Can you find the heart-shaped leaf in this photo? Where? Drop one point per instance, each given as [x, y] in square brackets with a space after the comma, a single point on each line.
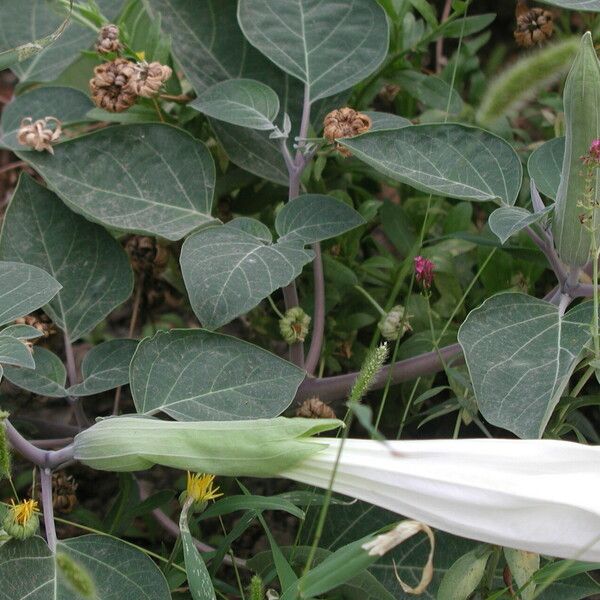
[146, 178]
[68, 105]
[91, 265]
[47, 379]
[329, 46]
[545, 165]
[520, 353]
[243, 102]
[381, 120]
[315, 217]
[228, 271]
[15, 352]
[450, 160]
[508, 220]
[197, 375]
[90, 566]
[24, 289]
[105, 367]
[22, 332]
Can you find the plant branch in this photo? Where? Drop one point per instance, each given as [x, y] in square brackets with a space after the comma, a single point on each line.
[550, 253]
[48, 508]
[75, 403]
[318, 328]
[329, 389]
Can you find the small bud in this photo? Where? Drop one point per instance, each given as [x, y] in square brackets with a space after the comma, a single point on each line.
[344, 123]
[110, 85]
[21, 522]
[424, 269]
[534, 26]
[294, 325]
[108, 40]
[76, 576]
[314, 408]
[149, 78]
[38, 134]
[395, 324]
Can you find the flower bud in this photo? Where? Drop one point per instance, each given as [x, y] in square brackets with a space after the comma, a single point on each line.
[294, 325]
[395, 324]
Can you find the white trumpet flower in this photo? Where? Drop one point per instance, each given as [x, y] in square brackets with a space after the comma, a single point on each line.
[537, 495]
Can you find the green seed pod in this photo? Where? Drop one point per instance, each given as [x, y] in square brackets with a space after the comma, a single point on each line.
[76, 576]
[20, 531]
[582, 120]
[395, 324]
[294, 325]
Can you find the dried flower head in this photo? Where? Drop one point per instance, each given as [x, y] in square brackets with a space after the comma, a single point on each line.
[149, 78]
[21, 521]
[344, 123]
[108, 40]
[40, 321]
[146, 255]
[424, 270]
[64, 492]
[314, 408]
[534, 26]
[395, 323]
[110, 85]
[39, 134]
[294, 325]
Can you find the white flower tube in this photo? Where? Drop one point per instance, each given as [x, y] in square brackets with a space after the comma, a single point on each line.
[537, 495]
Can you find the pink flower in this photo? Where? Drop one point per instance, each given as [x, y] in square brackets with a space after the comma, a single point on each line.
[594, 150]
[424, 271]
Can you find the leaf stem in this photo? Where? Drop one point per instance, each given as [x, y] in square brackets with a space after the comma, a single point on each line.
[318, 325]
[46, 483]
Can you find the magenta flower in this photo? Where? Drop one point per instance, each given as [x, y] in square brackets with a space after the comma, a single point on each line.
[424, 271]
[594, 150]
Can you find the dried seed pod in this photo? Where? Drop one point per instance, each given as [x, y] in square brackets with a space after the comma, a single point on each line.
[146, 255]
[41, 322]
[149, 78]
[534, 26]
[343, 123]
[39, 134]
[110, 85]
[108, 40]
[64, 492]
[313, 408]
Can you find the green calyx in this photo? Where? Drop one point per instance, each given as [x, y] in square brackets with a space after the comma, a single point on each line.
[20, 531]
[394, 324]
[255, 448]
[294, 325]
[572, 237]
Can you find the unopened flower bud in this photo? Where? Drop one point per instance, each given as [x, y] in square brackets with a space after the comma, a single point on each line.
[39, 134]
[424, 269]
[21, 521]
[395, 324]
[108, 40]
[294, 325]
[344, 123]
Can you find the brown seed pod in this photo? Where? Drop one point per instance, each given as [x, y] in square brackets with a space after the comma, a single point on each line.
[313, 408]
[149, 78]
[39, 135]
[40, 321]
[108, 40]
[64, 492]
[110, 85]
[146, 255]
[344, 123]
[534, 26]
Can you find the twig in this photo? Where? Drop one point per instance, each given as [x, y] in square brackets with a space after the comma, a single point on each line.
[439, 45]
[318, 328]
[13, 165]
[181, 98]
[48, 508]
[75, 403]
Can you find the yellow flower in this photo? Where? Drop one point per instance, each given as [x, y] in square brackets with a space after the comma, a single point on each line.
[23, 511]
[200, 487]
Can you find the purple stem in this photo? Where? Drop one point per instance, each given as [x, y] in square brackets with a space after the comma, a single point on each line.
[46, 481]
[80, 415]
[329, 389]
[318, 325]
[551, 255]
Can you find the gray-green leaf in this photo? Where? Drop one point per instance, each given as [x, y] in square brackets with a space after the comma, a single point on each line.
[508, 220]
[381, 120]
[68, 105]
[228, 271]
[47, 379]
[144, 178]
[197, 375]
[432, 91]
[111, 568]
[243, 102]
[15, 352]
[520, 353]
[330, 46]
[451, 160]
[104, 367]
[315, 217]
[545, 164]
[591, 5]
[464, 576]
[25, 288]
[90, 263]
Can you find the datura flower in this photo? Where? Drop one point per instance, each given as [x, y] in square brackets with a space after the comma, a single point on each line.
[534, 495]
